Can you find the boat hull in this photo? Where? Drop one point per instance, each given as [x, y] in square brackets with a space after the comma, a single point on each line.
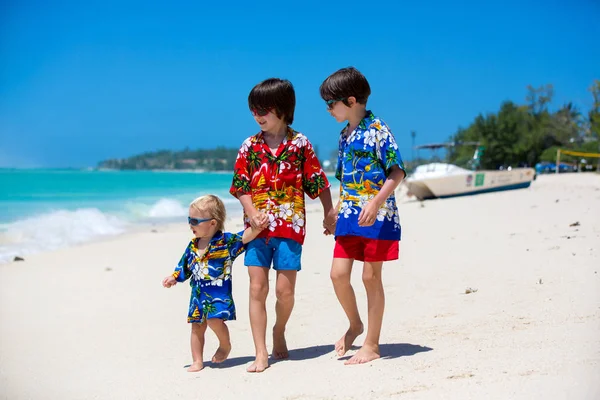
[473, 183]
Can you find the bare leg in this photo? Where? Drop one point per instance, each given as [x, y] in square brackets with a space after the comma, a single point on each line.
[341, 269]
[220, 329]
[259, 289]
[197, 344]
[376, 305]
[285, 290]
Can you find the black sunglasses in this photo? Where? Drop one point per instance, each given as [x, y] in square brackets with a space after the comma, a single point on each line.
[196, 221]
[331, 103]
[261, 112]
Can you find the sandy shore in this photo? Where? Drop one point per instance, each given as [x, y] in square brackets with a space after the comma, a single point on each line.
[93, 322]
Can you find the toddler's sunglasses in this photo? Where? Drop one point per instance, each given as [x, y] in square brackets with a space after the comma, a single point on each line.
[331, 103]
[261, 112]
[196, 221]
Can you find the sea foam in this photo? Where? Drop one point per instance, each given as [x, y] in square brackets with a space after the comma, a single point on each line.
[56, 229]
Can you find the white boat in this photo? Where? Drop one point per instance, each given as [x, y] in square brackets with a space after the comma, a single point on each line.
[461, 182]
[441, 180]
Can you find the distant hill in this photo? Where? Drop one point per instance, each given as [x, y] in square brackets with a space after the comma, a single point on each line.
[219, 159]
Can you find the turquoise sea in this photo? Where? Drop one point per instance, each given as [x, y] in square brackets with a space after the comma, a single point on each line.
[44, 209]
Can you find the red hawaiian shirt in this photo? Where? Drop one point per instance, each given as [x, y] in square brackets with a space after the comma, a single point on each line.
[277, 183]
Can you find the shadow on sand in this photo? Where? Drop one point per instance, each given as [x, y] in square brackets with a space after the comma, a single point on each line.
[395, 350]
[295, 354]
[388, 351]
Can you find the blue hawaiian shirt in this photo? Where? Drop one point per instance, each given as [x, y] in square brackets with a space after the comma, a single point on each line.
[210, 276]
[365, 158]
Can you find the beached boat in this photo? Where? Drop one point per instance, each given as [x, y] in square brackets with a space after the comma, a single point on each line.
[441, 180]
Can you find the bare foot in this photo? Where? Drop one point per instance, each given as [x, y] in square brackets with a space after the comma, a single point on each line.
[345, 343]
[259, 365]
[280, 350]
[222, 353]
[196, 366]
[364, 355]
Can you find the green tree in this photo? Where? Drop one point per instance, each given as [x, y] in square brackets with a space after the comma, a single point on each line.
[594, 114]
[521, 134]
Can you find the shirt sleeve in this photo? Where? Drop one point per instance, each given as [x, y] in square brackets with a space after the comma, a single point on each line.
[182, 271]
[235, 244]
[241, 176]
[314, 179]
[388, 150]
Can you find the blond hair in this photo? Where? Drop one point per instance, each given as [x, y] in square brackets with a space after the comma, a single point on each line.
[213, 206]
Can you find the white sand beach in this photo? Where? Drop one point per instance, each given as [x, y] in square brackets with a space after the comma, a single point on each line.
[94, 322]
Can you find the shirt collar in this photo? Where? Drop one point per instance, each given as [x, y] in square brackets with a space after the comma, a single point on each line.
[363, 124]
[260, 136]
[218, 236]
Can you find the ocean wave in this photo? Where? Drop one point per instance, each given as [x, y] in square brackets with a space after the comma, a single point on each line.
[163, 208]
[168, 208]
[55, 230]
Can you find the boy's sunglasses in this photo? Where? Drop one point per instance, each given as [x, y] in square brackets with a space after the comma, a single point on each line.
[331, 103]
[196, 221]
[261, 112]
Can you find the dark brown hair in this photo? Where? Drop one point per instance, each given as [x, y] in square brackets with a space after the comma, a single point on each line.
[274, 93]
[345, 83]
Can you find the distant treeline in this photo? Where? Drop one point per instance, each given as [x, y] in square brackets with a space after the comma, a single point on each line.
[219, 159]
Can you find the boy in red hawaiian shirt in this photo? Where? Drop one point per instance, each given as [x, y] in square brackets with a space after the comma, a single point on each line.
[273, 171]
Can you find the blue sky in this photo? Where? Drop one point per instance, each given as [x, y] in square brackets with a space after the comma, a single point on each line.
[82, 82]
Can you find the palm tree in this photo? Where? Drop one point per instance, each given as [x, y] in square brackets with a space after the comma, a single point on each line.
[567, 125]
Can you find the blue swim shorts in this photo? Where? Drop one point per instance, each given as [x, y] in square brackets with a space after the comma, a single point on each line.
[283, 253]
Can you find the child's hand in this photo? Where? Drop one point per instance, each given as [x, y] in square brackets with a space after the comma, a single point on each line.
[262, 227]
[332, 216]
[265, 222]
[368, 214]
[259, 221]
[329, 227]
[329, 222]
[169, 281]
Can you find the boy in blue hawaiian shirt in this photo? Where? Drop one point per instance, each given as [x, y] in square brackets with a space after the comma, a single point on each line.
[366, 221]
[207, 262]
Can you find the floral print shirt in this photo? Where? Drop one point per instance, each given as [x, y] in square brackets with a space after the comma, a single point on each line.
[365, 158]
[213, 268]
[277, 182]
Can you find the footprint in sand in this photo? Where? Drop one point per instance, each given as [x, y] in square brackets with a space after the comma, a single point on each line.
[461, 376]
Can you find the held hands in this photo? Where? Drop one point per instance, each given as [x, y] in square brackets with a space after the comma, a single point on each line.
[329, 222]
[368, 214]
[259, 220]
[265, 223]
[169, 281]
